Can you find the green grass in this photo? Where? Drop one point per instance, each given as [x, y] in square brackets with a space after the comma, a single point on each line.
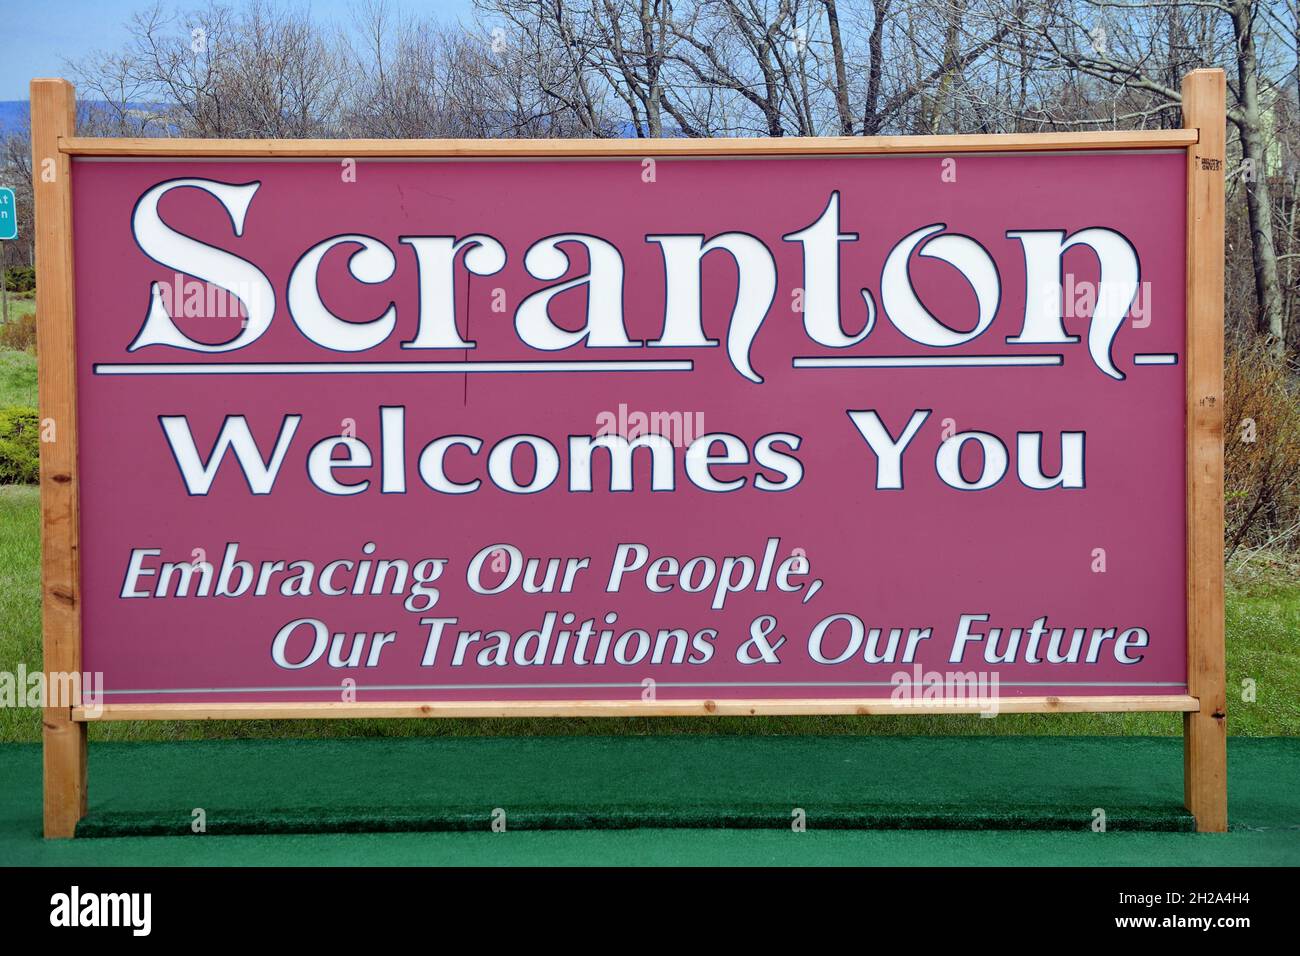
[20, 598]
[1263, 626]
[21, 304]
[17, 378]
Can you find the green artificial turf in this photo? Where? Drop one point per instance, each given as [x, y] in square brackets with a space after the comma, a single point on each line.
[691, 800]
[625, 782]
[660, 847]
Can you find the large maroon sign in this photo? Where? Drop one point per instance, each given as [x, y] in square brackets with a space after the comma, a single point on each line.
[613, 429]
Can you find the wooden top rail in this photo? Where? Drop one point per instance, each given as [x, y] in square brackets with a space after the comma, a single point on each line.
[163, 148]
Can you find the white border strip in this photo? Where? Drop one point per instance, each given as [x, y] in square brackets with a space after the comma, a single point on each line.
[338, 688]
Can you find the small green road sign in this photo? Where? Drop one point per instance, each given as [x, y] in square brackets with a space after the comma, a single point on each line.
[8, 214]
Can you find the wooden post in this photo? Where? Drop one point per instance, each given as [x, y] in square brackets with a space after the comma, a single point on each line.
[54, 113]
[1205, 740]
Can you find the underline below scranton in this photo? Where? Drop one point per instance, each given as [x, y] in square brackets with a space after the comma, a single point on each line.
[650, 365]
[387, 368]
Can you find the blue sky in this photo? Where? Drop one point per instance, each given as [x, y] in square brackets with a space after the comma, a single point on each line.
[36, 36]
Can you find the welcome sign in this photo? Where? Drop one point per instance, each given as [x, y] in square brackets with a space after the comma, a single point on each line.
[725, 427]
[452, 429]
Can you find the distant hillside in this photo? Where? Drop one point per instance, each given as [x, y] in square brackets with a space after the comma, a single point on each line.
[13, 115]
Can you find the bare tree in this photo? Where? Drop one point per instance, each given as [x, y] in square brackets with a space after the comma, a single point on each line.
[1158, 41]
[261, 71]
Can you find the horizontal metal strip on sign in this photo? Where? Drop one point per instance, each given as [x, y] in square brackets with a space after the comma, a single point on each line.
[603, 685]
[737, 146]
[631, 708]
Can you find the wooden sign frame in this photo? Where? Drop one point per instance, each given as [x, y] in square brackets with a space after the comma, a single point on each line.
[54, 144]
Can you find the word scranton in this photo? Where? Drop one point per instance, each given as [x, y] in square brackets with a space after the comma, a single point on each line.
[549, 260]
